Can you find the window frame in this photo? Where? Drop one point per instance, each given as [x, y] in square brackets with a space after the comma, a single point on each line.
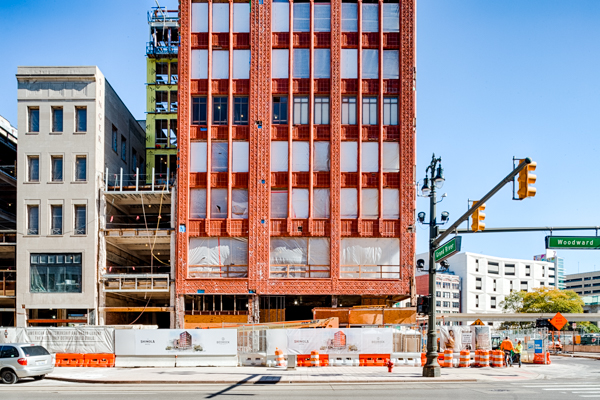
[28, 221]
[124, 149]
[347, 107]
[78, 119]
[280, 108]
[115, 139]
[30, 158]
[76, 175]
[54, 159]
[54, 229]
[222, 113]
[323, 105]
[31, 111]
[76, 219]
[389, 103]
[300, 110]
[368, 103]
[57, 119]
[240, 107]
[199, 102]
[64, 269]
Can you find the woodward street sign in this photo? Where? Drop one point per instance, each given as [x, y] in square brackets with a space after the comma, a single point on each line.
[573, 242]
[448, 249]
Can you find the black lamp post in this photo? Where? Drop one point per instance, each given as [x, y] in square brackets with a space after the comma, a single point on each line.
[431, 183]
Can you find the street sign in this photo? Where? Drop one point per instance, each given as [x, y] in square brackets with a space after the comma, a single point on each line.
[448, 249]
[478, 322]
[573, 242]
[558, 321]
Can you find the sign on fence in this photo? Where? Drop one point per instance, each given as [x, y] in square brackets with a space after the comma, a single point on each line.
[340, 341]
[198, 342]
[64, 340]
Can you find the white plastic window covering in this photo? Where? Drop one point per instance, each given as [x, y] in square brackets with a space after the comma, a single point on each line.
[218, 257]
[241, 62]
[241, 17]
[382, 254]
[349, 157]
[369, 112]
[348, 110]
[321, 203]
[391, 17]
[279, 203]
[199, 17]
[198, 157]
[322, 63]
[370, 203]
[370, 64]
[291, 257]
[370, 157]
[239, 203]
[218, 157]
[279, 156]
[391, 157]
[322, 15]
[199, 63]
[198, 203]
[301, 17]
[321, 156]
[239, 156]
[300, 203]
[349, 17]
[301, 61]
[391, 203]
[349, 203]
[390, 111]
[321, 111]
[390, 64]
[300, 156]
[370, 17]
[220, 17]
[300, 110]
[280, 21]
[280, 62]
[220, 63]
[349, 63]
[218, 203]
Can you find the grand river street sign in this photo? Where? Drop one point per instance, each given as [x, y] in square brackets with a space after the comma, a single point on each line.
[448, 249]
[573, 242]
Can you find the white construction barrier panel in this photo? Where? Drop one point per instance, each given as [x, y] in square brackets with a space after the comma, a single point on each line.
[340, 341]
[197, 342]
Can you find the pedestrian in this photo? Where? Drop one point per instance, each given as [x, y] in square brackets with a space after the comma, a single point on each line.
[508, 348]
[518, 351]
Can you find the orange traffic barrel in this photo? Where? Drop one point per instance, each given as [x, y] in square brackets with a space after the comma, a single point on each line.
[314, 358]
[448, 356]
[279, 360]
[484, 358]
[465, 359]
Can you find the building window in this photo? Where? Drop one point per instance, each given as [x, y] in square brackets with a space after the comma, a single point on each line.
[241, 64]
[55, 273]
[438, 294]
[56, 223]
[301, 17]
[438, 303]
[349, 67]
[34, 119]
[476, 265]
[57, 168]
[173, 101]
[524, 286]
[511, 286]
[57, 119]
[280, 21]
[438, 284]
[162, 73]
[446, 304]
[494, 285]
[322, 17]
[279, 63]
[33, 220]
[81, 168]
[369, 113]
[370, 17]
[199, 110]
[455, 304]
[349, 17]
[390, 111]
[322, 110]
[476, 300]
[478, 283]
[528, 270]
[123, 148]
[509, 269]
[446, 295]
[115, 139]
[301, 110]
[240, 110]
[391, 14]
[133, 160]
[348, 110]
[220, 110]
[161, 133]
[322, 63]
[391, 67]
[493, 268]
[162, 101]
[174, 73]
[301, 63]
[456, 295]
[173, 132]
[543, 271]
[80, 119]
[370, 64]
[492, 302]
[80, 220]
[446, 285]
[280, 110]
[33, 168]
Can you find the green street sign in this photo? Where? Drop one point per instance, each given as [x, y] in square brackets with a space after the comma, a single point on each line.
[448, 249]
[573, 242]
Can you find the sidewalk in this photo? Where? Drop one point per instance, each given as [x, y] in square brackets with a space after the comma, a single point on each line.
[266, 375]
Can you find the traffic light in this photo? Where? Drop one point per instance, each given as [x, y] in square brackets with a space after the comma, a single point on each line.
[526, 178]
[423, 305]
[478, 216]
[544, 323]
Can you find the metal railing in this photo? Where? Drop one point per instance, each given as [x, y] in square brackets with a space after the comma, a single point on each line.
[286, 271]
[218, 271]
[136, 283]
[9, 170]
[136, 182]
[8, 283]
[370, 272]
[162, 48]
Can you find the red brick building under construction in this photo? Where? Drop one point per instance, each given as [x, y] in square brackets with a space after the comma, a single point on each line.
[296, 158]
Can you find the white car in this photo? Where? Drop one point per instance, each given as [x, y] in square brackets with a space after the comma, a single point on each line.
[24, 360]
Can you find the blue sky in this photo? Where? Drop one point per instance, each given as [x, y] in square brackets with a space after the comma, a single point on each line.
[495, 79]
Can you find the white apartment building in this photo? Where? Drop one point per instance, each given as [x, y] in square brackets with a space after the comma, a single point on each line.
[72, 127]
[487, 280]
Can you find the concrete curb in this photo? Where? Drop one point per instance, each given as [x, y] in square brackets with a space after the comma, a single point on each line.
[577, 356]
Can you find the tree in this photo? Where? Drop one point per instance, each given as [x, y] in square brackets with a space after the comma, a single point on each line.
[543, 300]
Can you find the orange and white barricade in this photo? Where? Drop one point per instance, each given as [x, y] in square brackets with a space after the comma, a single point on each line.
[448, 356]
[314, 358]
[497, 358]
[279, 360]
[465, 359]
[484, 358]
[476, 358]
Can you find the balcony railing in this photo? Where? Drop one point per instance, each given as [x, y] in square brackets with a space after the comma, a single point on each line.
[370, 272]
[299, 271]
[136, 283]
[120, 182]
[218, 271]
[8, 283]
[162, 49]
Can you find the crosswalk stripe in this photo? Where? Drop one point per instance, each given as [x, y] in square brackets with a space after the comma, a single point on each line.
[574, 388]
